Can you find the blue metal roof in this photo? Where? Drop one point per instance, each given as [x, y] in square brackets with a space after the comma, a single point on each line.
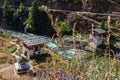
[18, 66]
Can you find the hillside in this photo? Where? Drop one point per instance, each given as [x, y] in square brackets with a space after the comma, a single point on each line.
[81, 5]
[60, 40]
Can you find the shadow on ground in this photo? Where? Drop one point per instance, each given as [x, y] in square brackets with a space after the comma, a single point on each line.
[42, 58]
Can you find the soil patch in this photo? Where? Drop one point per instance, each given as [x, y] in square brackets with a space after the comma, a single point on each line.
[3, 54]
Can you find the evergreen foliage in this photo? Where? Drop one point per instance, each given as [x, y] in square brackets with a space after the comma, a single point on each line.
[17, 21]
[7, 12]
[38, 21]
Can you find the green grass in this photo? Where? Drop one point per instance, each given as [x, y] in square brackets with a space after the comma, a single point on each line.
[98, 68]
[6, 46]
[3, 59]
[7, 59]
[20, 51]
[8, 49]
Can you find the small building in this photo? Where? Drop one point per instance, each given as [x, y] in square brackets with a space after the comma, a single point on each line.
[22, 66]
[33, 46]
[96, 37]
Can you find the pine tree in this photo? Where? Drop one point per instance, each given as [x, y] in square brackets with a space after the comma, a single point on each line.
[38, 21]
[7, 12]
[31, 22]
[18, 20]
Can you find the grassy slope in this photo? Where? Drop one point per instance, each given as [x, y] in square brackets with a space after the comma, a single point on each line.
[6, 49]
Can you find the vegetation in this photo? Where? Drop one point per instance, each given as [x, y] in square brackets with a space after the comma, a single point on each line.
[8, 12]
[8, 59]
[64, 29]
[6, 50]
[99, 64]
[6, 47]
[18, 19]
[38, 21]
[20, 51]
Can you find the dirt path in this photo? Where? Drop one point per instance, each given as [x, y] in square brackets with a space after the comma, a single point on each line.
[2, 54]
[7, 68]
[18, 47]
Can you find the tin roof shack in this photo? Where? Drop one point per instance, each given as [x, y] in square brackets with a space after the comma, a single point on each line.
[96, 37]
[22, 66]
[33, 46]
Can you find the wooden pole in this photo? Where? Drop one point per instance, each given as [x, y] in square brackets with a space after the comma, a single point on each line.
[93, 49]
[74, 42]
[108, 34]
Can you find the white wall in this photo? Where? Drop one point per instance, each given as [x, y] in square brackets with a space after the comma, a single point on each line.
[30, 52]
[97, 40]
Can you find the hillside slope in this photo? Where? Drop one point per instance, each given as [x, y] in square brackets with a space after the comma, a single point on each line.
[82, 5]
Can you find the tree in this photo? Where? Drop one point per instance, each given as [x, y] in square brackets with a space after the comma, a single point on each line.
[45, 26]
[7, 12]
[18, 20]
[21, 8]
[33, 17]
[38, 21]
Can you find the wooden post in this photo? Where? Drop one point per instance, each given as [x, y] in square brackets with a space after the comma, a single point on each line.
[108, 34]
[108, 42]
[93, 49]
[74, 47]
[92, 29]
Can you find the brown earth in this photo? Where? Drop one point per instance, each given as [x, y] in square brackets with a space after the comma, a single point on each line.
[3, 54]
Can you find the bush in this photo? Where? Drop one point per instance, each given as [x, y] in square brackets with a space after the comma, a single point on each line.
[102, 26]
[2, 32]
[7, 59]
[64, 29]
[3, 59]
[8, 48]
[11, 49]
[20, 51]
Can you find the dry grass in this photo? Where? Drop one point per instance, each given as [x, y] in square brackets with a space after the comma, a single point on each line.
[87, 68]
[97, 68]
[103, 68]
[9, 75]
[6, 46]
[2, 54]
[6, 49]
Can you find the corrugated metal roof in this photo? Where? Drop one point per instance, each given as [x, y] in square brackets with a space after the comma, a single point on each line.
[35, 40]
[99, 31]
[28, 38]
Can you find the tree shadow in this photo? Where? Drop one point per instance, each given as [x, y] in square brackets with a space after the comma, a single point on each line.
[42, 58]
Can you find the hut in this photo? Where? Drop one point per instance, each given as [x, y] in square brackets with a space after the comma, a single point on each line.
[33, 46]
[96, 37]
[22, 66]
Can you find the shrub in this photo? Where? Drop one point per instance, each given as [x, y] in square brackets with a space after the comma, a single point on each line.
[64, 29]
[3, 59]
[20, 51]
[8, 48]
[102, 26]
